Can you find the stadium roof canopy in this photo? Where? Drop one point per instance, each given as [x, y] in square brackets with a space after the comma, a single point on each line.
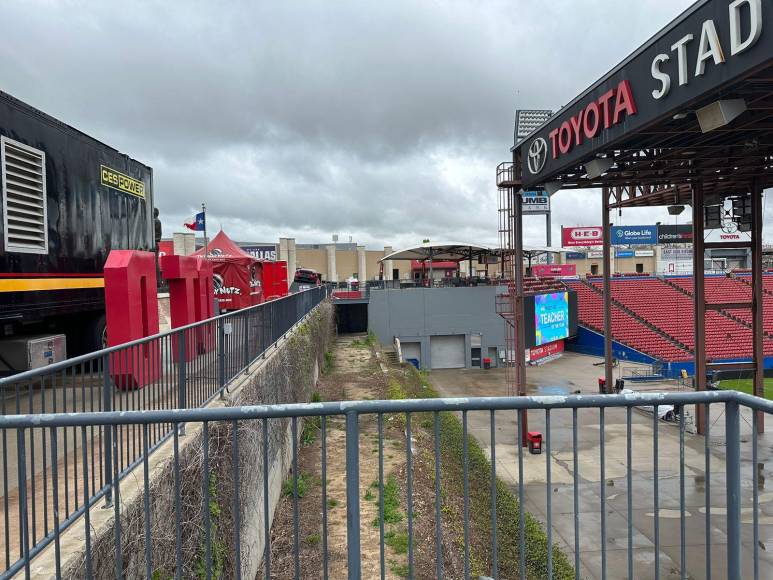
[441, 251]
[693, 105]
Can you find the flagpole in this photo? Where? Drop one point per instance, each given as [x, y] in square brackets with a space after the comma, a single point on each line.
[206, 241]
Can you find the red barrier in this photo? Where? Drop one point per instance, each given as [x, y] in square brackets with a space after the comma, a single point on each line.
[131, 312]
[182, 272]
[205, 304]
[274, 280]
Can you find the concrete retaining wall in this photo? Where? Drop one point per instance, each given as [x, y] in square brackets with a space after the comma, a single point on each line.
[288, 374]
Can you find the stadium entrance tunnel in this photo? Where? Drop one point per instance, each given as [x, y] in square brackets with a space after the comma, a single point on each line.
[351, 318]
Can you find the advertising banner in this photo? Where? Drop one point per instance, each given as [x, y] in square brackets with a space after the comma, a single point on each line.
[634, 235]
[551, 317]
[644, 253]
[681, 234]
[535, 202]
[575, 255]
[726, 235]
[554, 270]
[624, 254]
[582, 236]
[261, 252]
[595, 254]
[165, 248]
[539, 352]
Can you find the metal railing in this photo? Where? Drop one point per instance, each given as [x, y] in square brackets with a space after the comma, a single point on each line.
[725, 536]
[180, 369]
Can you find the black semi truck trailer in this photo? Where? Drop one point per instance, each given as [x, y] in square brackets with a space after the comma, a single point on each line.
[67, 201]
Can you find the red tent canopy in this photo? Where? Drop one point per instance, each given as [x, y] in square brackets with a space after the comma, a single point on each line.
[237, 275]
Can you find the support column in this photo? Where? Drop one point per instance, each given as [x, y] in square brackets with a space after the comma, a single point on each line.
[607, 297]
[757, 300]
[520, 334]
[362, 266]
[332, 274]
[699, 300]
[282, 249]
[548, 234]
[388, 263]
[291, 259]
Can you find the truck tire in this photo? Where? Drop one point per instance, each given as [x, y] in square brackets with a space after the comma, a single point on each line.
[98, 333]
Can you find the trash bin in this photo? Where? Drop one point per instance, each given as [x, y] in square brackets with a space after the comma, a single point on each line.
[534, 439]
[602, 385]
[486, 363]
[413, 361]
[619, 385]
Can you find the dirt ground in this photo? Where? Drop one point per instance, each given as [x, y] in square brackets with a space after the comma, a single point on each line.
[356, 374]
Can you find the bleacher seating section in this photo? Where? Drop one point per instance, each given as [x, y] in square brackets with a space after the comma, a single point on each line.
[667, 305]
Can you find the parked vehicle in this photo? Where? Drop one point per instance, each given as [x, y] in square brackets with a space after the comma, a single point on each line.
[67, 201]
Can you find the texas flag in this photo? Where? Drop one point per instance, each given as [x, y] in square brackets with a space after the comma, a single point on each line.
[196, 223]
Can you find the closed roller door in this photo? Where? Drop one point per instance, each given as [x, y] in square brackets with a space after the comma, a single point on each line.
[447, 352]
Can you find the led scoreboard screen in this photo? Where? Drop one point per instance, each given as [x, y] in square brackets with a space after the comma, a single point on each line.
[550, 317]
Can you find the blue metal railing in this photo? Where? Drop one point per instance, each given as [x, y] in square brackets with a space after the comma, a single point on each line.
[742, 557]
[183, 368]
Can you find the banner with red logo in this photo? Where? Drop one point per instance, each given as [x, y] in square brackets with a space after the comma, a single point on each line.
[165, 248]
[582, 236]
[554, 270]
[539, 352]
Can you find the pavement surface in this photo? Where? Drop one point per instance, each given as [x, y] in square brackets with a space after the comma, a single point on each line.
[571, 373]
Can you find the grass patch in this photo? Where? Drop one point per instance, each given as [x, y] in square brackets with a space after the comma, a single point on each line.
[370, 340]
[399, 569]
[398, 541]
[392, 513]
[331, 503]
[329, 361]
[305, 482]
[747, 386]
[415, 385]
[369, 495]
[312, 540]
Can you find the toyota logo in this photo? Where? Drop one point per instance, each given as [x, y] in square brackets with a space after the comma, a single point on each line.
[729, 226]
[538, 154]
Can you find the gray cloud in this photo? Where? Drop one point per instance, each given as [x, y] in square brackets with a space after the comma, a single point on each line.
[383, 121]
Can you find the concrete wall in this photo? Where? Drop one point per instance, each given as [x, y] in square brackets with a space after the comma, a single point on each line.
[288, 374]
[415, 314]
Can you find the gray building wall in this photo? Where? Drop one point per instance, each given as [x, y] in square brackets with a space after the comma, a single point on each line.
[415, 314]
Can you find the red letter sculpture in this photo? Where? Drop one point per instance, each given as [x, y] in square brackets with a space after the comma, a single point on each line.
[131, 311]
[182, 271]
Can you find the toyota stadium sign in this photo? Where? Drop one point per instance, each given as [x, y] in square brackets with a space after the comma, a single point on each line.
[582, 236]
[711, 45]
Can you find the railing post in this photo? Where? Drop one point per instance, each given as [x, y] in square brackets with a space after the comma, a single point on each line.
[246, 318]
[353, 494]
[107, 438]
[733, 479]
[181, 378]
[221, 355]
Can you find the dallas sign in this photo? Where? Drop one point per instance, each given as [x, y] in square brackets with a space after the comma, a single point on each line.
[711, 45]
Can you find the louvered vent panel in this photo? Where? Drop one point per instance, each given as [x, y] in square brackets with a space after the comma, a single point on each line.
[24, 198]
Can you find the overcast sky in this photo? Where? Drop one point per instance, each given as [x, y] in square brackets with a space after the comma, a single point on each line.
[381, 121]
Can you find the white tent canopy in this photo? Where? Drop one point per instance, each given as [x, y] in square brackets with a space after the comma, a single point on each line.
[441, 251]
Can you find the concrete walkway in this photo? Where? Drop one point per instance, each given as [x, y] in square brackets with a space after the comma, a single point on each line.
[576, 372]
